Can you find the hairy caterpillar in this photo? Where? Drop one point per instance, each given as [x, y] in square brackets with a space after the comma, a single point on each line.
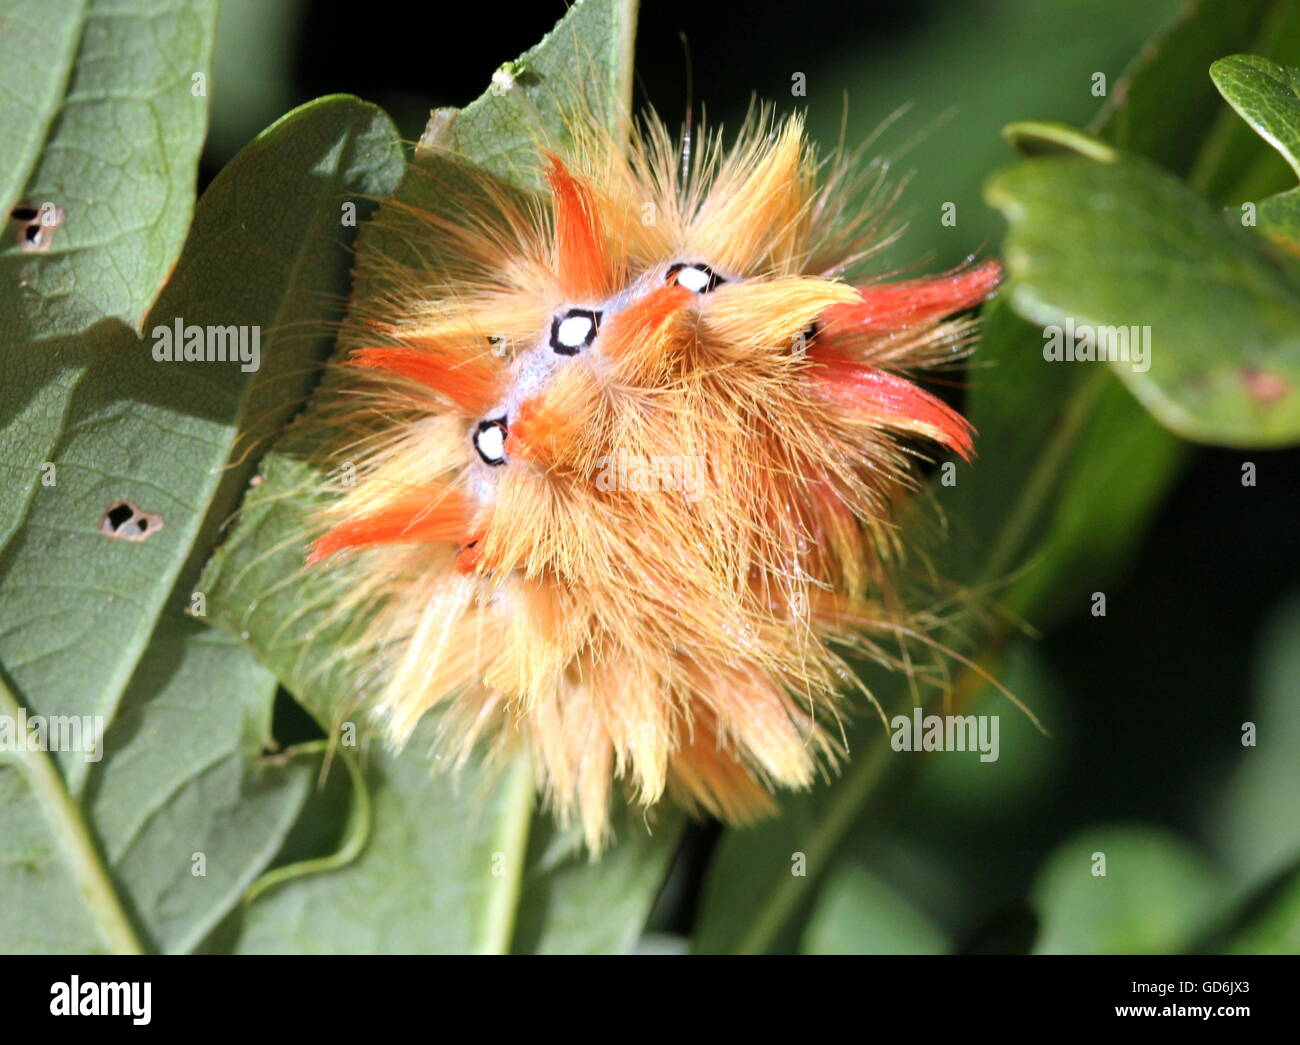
[625, 488]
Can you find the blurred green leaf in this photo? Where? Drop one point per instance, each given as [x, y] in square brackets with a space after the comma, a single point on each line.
[1087, 542]
[1126, 247]
[759, 877]
[1254, 811]
[506, 878]
[1164, 93]
[1156, 894]
[957, 787]
[857, 913]
[253, 70]
[1270, 924]
[1042, 138]
[977, 67]
[573, 905]
[96, 626]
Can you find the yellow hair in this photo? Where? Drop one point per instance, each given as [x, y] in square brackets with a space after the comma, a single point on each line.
[626, 469]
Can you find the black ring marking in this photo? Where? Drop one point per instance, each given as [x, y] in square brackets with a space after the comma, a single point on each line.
[574, 313]
[483, 426]
[711, 283]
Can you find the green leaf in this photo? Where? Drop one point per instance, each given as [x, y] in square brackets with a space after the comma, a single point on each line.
[1163, 107]
[423, 830]
[176, 820]
[1125, 247]
[1267, 96]
[1086, 542]
[1043, 138]
[584, 65]
[1155, 895]
[760, 876]
[507, 879]
[99, 115]
[433, 877]
[186, 806]
[959, 787]
[96, 626]
[573, 905]
[858, 913]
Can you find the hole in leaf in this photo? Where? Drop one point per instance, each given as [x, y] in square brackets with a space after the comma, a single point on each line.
[125, 522]
[37, 225]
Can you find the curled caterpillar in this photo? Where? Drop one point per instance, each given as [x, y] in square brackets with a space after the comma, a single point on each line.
[627, 466]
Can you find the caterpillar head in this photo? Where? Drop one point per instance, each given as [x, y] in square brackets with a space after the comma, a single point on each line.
[625, 482]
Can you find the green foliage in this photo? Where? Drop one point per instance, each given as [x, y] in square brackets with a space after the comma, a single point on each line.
[97, 627]
[1123, 890]
[1267, 96]
[1206, 328]
[193, 833]
[1103, 239]
[507, 879]
[859, 914]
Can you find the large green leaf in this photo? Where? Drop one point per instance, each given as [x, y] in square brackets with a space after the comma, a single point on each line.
[102, 112]
[576, 906]
[186, 804]
[1126, 247]
[95, 626]
[506, 879]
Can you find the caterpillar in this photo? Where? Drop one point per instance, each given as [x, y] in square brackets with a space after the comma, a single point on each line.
[628, 465]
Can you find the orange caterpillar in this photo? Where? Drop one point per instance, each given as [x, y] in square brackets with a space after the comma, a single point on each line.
[625, 477]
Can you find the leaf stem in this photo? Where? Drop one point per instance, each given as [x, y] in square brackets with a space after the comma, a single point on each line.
[858, 785]
[356, 832]
[512, 848]
[63, 815]
[1046, 471]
